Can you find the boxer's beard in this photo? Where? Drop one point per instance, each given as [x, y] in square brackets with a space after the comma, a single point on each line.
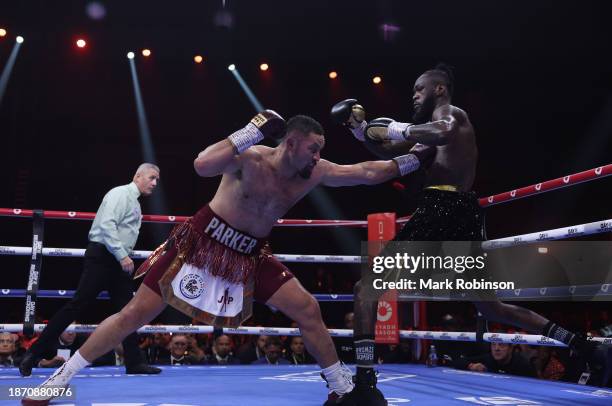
[424, 112]
[305, 172]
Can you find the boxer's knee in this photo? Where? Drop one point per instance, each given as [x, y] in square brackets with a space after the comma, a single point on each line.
[139, 312]
[310, 312]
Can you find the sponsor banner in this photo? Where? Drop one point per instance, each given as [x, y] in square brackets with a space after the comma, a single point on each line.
[387, 321]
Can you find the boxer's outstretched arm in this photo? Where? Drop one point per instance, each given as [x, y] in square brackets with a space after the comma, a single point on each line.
[388, 149]
[363, 173]
[217, 159]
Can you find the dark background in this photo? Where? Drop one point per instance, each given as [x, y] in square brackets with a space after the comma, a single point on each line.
[535, 78]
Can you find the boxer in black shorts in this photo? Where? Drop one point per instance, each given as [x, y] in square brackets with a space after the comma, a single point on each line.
[443, 140]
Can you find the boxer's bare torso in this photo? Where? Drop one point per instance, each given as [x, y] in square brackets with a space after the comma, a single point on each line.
[454, 163]
[259, 186]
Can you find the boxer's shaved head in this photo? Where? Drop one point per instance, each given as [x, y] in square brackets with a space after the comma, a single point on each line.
[305, 140]
[304, 125]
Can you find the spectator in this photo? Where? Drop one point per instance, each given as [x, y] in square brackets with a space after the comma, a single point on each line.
[181, 352]
[323, 282]
[547, 364]
[8, 350]
[222, 352]
[252, 351]
[501, 359]
[273, 353]
[206, 342]
[194, 349]
[298, 354]
[448, 351]
[156, 348]
[395, 354]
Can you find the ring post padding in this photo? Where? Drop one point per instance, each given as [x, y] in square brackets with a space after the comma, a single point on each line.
[38, 228]
[382, 228]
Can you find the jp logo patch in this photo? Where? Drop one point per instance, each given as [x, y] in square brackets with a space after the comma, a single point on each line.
[192, 285]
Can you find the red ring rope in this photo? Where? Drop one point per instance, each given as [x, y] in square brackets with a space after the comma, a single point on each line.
[542, 187]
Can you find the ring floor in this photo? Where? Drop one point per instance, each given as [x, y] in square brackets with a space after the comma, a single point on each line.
[302, 385]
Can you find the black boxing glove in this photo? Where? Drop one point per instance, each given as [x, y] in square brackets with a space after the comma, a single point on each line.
[350, 114]
[386, 129]
[267, 124]
[377, 130]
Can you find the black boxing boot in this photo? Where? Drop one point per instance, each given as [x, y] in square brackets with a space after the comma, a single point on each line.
[366, 393]
[598, 357]
[27, 363]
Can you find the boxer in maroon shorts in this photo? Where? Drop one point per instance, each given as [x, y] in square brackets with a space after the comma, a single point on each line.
[213, 265]
[269, 274]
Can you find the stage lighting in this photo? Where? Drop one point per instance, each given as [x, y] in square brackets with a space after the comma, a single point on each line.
[232, 67]
[333, 75]
[81, 43]
[376, 80]
[19, 39]
[2, 32]
[130, 55]
[264, 67]
[146, 52]
[95, 10]
[198, 59]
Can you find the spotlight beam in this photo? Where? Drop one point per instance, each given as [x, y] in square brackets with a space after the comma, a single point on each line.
[158, 200]
[247, 90]
[143, 126]
[8, 69]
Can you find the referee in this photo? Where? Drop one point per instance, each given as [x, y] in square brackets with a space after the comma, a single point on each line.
[108, 267]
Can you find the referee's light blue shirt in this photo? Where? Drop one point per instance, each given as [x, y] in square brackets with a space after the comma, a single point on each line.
[118, 220]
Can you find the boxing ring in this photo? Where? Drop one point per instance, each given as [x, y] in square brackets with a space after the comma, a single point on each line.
[405, 384]
[272, 385]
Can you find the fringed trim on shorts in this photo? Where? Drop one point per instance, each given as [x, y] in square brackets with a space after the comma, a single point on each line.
[203, 252]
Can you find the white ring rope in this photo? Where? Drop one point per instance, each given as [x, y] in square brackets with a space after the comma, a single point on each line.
[596, 227]
[284, 331]
[80, 252]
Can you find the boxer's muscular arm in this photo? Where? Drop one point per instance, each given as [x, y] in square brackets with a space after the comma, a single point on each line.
[217, 159]
[445, 124]
[363, 173]
[228, 155]
[388, 149]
